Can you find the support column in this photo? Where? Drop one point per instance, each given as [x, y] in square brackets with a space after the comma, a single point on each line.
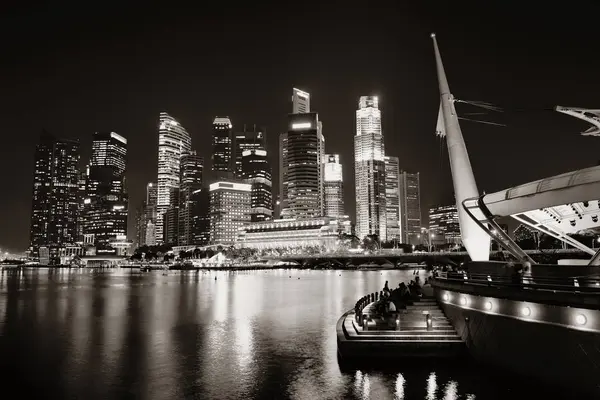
[475, 240]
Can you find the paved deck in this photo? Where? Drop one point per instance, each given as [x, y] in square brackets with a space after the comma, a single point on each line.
[409, 337]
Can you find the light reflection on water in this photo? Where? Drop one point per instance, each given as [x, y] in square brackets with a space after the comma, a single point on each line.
[88, 334]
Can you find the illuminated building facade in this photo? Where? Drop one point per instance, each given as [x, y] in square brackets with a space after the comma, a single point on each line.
[333, 186]
[256, 171]
[250, 138]
[173, 141]
[443, 224]
[369, 170]
[300, 101]
[146, 217]
[392, 197]
[222, 149]
[289, 234]
[192, 167]
[410, 207]
[106, 202]
[55, 203]
[302, 179]
[230, 204]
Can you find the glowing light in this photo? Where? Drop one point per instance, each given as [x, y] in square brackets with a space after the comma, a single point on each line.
[302, 125]
[446, 297]
[463, 301]
[488, 305]
[431, 387]
[526, 311]
[244, 187]
[580, 319]
[400, 382]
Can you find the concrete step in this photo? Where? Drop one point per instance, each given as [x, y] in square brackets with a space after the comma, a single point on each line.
[394, 337]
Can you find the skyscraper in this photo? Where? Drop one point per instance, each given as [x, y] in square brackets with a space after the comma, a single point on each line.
[333, 187]
[300, 102]
[55, 202]
[223, 164]
[173, 141]
[392, 197]
[302, 194]
[369, 170]
[256, 171]
[229, 211]
[146, 218]
[443, 224]
[192, 166]
[410, 207]
[106, 202]
[250, 138]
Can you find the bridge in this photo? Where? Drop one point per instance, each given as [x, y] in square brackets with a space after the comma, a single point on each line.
[390, 257]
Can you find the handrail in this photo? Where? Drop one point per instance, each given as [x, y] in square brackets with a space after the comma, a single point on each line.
[582, 281]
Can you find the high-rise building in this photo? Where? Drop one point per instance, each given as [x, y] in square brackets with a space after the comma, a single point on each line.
[281, 202]
[223, 163]
[147, 217]
[300, 102]
[106, 201]
[333, 187]
[192, 166]
[250, 138]
[443, 224]
[410, 207]
[229, 211]
[173, 141]
[200, 232]
[55, 205]
[392, 197]
[369, 168]
[171, 220]
[256, 171]
[302, 179]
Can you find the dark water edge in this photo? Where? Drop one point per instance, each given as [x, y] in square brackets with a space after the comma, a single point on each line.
[248, 334]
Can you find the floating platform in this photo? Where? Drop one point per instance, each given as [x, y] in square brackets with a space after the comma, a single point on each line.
[409, 336]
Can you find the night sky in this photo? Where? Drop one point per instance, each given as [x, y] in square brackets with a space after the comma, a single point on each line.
[74, 71]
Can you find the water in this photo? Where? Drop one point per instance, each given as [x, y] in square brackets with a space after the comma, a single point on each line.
[246, 335]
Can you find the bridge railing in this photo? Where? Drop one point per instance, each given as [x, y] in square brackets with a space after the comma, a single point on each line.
[587, 284]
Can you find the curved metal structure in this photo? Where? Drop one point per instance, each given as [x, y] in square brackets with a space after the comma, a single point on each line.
[589, 115]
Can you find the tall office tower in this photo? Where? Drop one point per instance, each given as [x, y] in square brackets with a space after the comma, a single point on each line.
[392, 198]
[229, 211]
[443, 224]
[173, 141]
[55, 192]
[333, 187]
[250, 138]
[147, 216]
[200, 232]
[281, 202]
[106, 203]
[256, 171]
[171, 220]
[82, 183]
[222, 149]
[369, 168]
[300, 102]
[192, 166]
[410, 207]
[302, 194]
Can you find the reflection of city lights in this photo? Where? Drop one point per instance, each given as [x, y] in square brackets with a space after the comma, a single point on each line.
[431, 386]
[400, 382]
[451, 391]
[366, 387]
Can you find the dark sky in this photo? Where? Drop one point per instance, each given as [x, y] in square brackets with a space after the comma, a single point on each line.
[74, 71]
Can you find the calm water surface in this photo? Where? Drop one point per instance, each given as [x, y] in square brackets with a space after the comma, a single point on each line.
[246, 335]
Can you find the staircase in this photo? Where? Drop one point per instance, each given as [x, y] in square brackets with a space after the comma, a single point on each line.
[408, 336]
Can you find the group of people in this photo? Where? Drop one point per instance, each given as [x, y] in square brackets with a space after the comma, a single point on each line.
[398, 298]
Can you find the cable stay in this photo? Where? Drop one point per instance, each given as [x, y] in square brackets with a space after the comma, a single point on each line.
[481, 122]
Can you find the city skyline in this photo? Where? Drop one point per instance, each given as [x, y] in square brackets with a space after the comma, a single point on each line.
[409, 110]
